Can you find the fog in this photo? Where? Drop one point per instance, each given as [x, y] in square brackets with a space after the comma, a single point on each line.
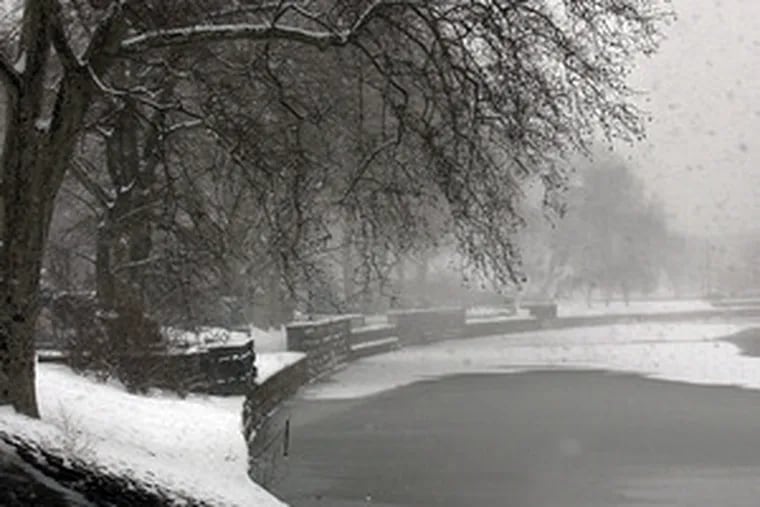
[701, 90]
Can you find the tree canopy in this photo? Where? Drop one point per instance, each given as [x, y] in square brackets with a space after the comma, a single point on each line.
[474, 97]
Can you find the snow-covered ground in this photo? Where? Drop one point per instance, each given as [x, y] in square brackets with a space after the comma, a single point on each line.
[375, 320]
[581, 308]
[193, 445]
[486, 314]
[269, 363]
[270, 340]
[673, 351]
[572, 308]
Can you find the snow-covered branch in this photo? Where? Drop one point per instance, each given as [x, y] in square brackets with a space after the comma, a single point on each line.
[210, 33]
[202, 33]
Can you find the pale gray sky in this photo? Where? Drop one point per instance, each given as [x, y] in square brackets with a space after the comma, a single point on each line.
[702, 154]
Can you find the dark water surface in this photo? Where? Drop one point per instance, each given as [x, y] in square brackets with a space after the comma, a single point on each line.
[559, 439]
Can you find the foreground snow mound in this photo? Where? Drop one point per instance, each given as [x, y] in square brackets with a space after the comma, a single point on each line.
[31, 474]
[674, 351]
[193, 446]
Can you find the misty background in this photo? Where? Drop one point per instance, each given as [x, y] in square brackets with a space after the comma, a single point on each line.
[702, 90]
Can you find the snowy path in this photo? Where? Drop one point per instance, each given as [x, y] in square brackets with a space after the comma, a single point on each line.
[672, 351]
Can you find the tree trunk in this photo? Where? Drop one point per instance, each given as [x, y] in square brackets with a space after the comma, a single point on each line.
[277, 306]
[28, 205]
[34, 160]
[423, 269]
[399, 285]
[104, 282]
[347, 267]
[20, 262]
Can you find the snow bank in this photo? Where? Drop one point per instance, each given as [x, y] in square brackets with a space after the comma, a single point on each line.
[581, 309]
[270, 340]
[673, 351]
[269, 363]
[193, 446]
[572, 308]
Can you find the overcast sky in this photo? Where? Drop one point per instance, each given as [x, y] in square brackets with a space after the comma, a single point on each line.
[702, 154]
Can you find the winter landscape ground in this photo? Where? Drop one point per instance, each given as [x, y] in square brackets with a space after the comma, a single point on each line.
[194, 445]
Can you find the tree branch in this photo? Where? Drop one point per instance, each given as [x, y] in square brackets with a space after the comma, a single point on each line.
[80, 173]
[200, 33]
[60, 42]
[9, 76]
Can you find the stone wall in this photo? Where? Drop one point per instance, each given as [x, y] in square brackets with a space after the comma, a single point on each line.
[229, 369]
[266, 419]
[369, 334]
[504, 326]
[415, 327]
[326, 343]
[371, 340]
[263, 398]
[219, 370]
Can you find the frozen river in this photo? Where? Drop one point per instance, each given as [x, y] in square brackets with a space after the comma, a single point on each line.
[570, 418]
[551, 438]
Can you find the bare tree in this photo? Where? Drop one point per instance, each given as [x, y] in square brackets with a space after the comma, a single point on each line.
[614, 237]
[489, 89]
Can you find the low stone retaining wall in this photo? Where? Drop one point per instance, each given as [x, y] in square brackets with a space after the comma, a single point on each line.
[266, 419]
[372, 333]
[266, 396]
[219, 370]
[415, 327]
[226, 370]
[229, 369]
[357, 319]
[326, 343]
[480, 328]
[371, 348]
